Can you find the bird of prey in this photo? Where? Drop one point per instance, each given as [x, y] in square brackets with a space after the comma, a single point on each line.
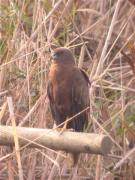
[68, 92]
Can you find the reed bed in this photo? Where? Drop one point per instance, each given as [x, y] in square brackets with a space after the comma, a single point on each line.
[101, 35]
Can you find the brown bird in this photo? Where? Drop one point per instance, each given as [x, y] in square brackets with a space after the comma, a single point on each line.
[68, 92]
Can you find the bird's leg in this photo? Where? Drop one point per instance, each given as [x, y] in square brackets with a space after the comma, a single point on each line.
[56, 128]
[61, 129]
[64, 128]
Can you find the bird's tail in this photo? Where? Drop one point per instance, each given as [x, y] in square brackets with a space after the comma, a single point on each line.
[74, 157]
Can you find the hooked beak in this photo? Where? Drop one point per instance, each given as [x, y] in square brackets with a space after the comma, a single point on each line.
[54, 56]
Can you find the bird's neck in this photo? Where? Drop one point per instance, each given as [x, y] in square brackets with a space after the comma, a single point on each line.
[63, 63]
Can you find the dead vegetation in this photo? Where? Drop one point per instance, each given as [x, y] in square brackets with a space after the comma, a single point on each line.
[101, 35]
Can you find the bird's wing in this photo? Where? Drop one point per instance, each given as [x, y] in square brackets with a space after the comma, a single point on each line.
[85, 76]
[80, 100]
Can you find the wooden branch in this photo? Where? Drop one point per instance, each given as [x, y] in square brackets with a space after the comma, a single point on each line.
[67, 141]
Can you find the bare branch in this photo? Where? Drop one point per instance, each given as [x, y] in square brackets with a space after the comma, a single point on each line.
[67, 141]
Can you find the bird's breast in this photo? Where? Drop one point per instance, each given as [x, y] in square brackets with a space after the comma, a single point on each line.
[61, 80]
[59, 74]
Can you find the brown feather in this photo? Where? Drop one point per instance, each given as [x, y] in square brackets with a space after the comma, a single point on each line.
[68, 90]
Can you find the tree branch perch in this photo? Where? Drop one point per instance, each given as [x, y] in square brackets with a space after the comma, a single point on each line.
[67, 141]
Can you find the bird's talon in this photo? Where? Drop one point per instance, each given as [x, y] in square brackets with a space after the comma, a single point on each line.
[71, 130]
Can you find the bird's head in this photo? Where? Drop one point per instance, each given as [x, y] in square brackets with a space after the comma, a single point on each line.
[62, 55]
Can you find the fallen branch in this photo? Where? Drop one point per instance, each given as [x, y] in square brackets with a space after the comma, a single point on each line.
[67, 141]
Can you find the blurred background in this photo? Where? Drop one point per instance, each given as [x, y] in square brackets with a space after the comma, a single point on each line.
[101, 35]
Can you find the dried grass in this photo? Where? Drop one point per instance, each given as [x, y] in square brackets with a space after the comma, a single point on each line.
[101, 36]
